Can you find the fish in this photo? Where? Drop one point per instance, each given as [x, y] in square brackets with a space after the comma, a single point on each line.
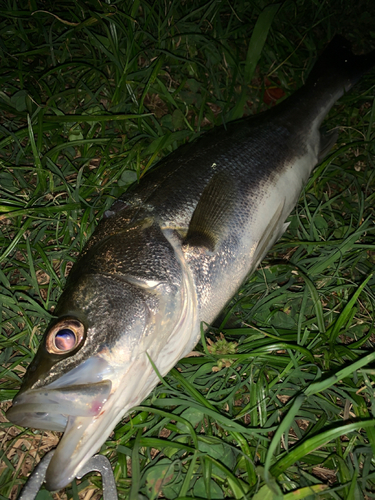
[168, 256]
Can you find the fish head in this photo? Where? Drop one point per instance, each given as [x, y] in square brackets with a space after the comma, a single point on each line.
[92, 365]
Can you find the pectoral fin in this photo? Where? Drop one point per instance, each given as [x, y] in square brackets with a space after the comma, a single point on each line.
[209, 223]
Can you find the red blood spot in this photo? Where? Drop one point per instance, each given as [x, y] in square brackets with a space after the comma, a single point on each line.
[96, 407]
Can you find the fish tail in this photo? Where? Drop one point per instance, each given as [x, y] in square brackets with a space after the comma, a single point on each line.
[334, 73]
[338, 68]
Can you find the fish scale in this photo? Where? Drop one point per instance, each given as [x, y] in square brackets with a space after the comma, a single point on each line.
[169, 254]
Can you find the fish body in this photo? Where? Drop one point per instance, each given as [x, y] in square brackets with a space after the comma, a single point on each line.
[168, 255]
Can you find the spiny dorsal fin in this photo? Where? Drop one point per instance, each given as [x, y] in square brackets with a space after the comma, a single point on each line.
[209, 223]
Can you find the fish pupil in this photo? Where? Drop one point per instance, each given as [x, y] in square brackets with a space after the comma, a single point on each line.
[65, 339]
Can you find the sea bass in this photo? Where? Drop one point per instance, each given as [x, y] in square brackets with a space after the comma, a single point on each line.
[168, 255]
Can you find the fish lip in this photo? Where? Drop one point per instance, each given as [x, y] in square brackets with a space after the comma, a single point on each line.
[49, 407]
[75, 400]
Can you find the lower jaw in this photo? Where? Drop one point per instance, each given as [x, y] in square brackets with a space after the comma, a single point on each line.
[63, 456]
[84, 436]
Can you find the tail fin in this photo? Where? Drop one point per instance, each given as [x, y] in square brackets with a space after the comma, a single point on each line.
[338, 64]
[334, 73]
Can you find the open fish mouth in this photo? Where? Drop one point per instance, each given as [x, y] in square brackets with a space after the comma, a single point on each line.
[50, 408]
[78, 404]
[82, 392]
[84, 411]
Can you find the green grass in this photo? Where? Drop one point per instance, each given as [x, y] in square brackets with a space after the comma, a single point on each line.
[92, 94]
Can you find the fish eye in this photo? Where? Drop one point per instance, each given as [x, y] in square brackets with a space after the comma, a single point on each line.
[65, 336]
[65, 339]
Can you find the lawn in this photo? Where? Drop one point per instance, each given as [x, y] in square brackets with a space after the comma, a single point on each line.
[277, 402]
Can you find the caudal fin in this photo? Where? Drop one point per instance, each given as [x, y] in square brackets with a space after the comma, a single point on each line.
[334, 73]
[338, 66]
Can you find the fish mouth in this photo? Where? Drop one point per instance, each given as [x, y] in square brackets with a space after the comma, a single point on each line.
[51, 408]
[82, 392]
[73, 404]
[85, 408]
